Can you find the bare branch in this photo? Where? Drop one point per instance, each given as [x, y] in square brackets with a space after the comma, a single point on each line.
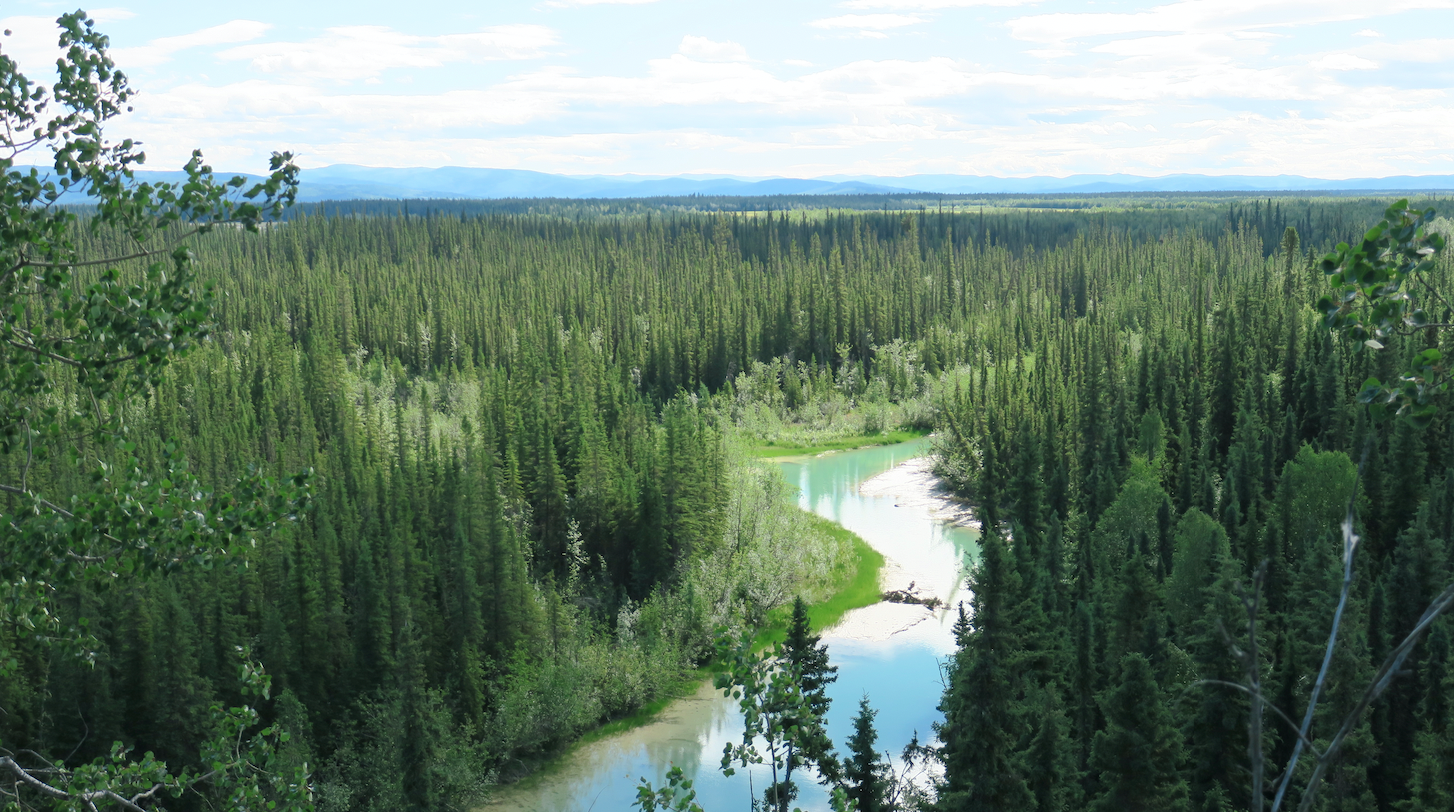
[1254, 682]
[38, 351]
[1292, 725]
[1350, 546]
[1381, 681]
[42, 502]
[90, 797]
[30, 780]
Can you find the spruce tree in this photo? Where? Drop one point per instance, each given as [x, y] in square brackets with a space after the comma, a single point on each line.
[865, 772]
[807, 657]
[1050, 768]
[1139, 753]
[980, 730]
[1431, 784]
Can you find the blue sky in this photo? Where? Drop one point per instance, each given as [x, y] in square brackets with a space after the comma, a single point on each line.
[1325, 88]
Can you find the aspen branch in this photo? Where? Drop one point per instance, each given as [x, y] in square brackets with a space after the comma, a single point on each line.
[42, 502]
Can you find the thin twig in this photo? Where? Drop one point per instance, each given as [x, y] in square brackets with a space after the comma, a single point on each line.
[81, 714]
[29, 456]
[25, 263]
[1430, 288]
[1350, 545]
[84, 559]
[38, 351]
[1292, 725]
[1254, 681]
[41, 502]
[1381, 681]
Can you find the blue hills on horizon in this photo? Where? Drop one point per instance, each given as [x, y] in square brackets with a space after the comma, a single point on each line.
[350, 182]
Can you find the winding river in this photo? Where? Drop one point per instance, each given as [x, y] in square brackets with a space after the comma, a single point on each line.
[891, 652]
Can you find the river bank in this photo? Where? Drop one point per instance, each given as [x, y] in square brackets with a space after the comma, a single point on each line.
[892, 652]
[680, 706]
[913, 489]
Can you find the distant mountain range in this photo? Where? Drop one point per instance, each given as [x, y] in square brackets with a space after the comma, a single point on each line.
[349, 182]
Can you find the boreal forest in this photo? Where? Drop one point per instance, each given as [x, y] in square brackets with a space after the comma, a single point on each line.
[380, 507]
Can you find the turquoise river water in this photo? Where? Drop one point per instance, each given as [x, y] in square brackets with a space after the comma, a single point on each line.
[893, 653]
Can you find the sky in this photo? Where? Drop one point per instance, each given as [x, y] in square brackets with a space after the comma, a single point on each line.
[804, 88]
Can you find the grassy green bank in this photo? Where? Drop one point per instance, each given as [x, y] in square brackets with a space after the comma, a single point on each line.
[787, 448]
[858, 588]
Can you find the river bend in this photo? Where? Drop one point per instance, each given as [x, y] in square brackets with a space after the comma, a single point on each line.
[892, 652]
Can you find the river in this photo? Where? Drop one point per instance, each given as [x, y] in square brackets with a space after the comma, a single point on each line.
[892, 652]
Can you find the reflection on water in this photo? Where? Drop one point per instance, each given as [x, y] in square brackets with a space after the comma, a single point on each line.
[891, 652]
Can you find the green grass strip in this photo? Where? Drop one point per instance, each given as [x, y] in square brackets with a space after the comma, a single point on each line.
[788, 448]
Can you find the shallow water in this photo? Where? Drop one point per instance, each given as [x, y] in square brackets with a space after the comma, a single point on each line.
[891, 652]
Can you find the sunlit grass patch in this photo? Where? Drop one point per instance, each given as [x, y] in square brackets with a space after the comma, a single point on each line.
[856, 589]
[789, 448]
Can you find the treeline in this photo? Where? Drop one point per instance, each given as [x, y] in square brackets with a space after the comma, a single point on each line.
[1136, 456]
[688, 302]
[1016, 222]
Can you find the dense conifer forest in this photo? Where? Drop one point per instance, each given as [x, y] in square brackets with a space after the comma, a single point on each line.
[1137, 452]
[532, 505]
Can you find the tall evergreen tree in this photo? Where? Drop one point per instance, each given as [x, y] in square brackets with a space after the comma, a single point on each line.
[864, 771]
[979, 732]
[1139, 753]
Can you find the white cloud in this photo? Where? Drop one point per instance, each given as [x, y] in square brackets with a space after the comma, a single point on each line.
[111, 15]
[1208, 15]
[1171, 86]
[929, 5]
[1413, 50]
[159, 51]
[875, 22]
[893, 133]
[1186, 49]
[1367, 32]
[1342, 146]
[569, 3]
[364, 51]
[706, 50]
[1343, 62]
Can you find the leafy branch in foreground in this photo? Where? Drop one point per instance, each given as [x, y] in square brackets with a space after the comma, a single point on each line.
[75, 357]
[241, 769]
[78, 350]
[1372, 300]
[777, 709]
